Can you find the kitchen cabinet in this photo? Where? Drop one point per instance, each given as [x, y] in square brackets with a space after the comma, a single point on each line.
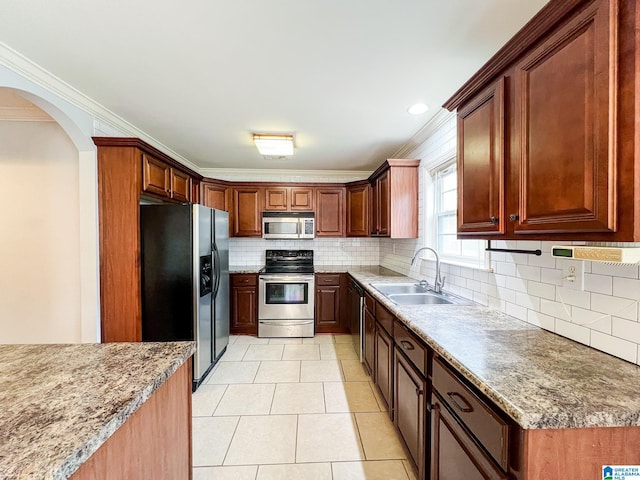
[246, 216]
[330, 212]
[369, 335]
[163, 180]
[285, 198]
[394, 205]
[384, 366]
[244, 304]
[127, 167]
[545, 124]
[410, 414]
[328, 317]
[215, 195]
[357, 209]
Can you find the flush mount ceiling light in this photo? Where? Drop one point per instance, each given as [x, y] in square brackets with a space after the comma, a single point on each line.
[274, 145]
[417, 109]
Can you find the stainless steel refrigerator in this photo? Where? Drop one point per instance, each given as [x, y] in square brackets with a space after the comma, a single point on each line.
[185, 279]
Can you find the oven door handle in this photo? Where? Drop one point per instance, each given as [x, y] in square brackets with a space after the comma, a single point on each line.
[286, 278]
[286, 323]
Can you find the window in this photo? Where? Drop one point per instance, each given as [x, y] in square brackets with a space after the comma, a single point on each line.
[468, 252]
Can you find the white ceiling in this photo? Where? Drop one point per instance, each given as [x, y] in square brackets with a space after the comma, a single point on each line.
[201, 75]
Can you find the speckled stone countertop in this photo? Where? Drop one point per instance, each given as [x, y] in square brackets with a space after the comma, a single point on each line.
[245, 268]
[373, 269]
[60, 403]
[539, 379]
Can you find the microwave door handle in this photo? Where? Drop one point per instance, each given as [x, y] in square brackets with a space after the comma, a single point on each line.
[299, 227]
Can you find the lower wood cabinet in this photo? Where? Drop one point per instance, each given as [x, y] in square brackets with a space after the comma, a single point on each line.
[369, 341]
[384, 366]
[328, 314]
[244, 304]
[410, 410]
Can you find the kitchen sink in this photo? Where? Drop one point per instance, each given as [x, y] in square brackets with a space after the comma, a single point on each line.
[395, 288]
[416, 294]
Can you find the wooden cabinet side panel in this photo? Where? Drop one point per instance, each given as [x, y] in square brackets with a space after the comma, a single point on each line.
[369, 342]
[579, 452]
[565, 105]
[155, 442]
[403, 202]
[119, 186]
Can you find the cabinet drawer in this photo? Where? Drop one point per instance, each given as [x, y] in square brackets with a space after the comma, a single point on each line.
[490, 430]
[409, 344]
[328, 279]
[370, 302]
[244, 279]
[384, 318]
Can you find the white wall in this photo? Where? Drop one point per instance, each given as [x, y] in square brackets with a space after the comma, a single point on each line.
[39, 243]
[531, 288]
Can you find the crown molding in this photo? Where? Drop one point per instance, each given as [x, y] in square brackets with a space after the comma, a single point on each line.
[421, 136]
[33, 72]
[250, 174]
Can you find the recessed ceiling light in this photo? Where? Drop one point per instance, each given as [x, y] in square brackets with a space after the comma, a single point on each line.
[417, 109]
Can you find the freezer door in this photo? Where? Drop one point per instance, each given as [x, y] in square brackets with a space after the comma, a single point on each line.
[203, 224]
[221, 285]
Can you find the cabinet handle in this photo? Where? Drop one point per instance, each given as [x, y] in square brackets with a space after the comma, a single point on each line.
[407, 345]
[466, 408]
[419, 392]
[514, 217]
[494, 220]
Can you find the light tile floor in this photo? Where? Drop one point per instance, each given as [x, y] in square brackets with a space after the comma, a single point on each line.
[293, 409]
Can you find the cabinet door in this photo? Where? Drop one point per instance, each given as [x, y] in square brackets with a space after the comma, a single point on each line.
[565, 101]
[244, 305]
[180, 186]
[215, 196]
[369, 341]
[156, 176]
[358, 211]
[327, 314]
[247, 212]
[276, 198]
[384, 366]
[410, 390]
[481, 172]
[330, 212]
[454, 454]
[301, 198]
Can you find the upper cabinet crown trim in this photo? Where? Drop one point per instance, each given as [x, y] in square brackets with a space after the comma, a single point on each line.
[551, 15]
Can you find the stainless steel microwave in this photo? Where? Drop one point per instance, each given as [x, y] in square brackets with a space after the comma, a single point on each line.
[288, 225]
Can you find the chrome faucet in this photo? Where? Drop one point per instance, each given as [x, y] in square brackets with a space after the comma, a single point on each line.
[439, 281]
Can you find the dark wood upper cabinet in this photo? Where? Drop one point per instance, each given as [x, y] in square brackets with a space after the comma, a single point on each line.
[247, 211]
[276, 198]
[302, 198]
[358, 197]
[215, 195]
[564, 121]
[284, 198]
[156, 176]
[566, 85]
[394, 209]
[330, 212]
[180, 186]
[481, 172]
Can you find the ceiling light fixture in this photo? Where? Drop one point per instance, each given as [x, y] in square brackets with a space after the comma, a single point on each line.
[274, 145]
[417, 109]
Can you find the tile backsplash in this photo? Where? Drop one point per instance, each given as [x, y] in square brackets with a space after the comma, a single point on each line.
[326, 251]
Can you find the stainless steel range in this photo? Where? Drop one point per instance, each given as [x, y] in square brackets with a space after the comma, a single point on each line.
[286, 297]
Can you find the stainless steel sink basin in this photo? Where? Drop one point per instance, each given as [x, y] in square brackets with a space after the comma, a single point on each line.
[416, 294]
[392, 288]
[420, 299]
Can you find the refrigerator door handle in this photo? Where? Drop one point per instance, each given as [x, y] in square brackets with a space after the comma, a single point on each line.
[216, 269]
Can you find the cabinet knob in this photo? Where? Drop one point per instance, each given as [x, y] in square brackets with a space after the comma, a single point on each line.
[514, 217]
[407, 345]
[494, 220]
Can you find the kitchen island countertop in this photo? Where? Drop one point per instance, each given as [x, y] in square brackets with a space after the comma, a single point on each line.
[540, 379]
[60, 403]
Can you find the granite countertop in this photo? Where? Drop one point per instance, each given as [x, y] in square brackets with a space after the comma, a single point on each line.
[540, 379]
[60, 403]
[373, 269]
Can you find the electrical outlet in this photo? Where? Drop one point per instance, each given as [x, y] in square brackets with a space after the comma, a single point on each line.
[573, 274]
